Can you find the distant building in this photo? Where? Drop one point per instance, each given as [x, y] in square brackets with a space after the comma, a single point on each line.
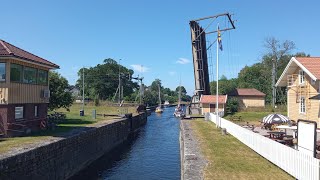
[301, 77]
[75, 92]
[208, 103]
[249, 97]
[24, 90]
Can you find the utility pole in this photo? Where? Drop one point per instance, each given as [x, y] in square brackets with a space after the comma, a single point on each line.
[273, 82]
[83, 89]
[119, 98]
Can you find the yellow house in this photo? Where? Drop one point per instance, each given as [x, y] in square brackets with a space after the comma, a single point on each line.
[24, 90]
[301, 77]
[208, 103]
[248, 97]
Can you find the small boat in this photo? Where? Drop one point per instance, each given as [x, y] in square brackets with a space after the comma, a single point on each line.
[178, 111]
[159, 108]
[166, 104]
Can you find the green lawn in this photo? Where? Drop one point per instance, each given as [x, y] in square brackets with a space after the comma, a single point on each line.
[228, 158]
[73, 121]
[251, 117]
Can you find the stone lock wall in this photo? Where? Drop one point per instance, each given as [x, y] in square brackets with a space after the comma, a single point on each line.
[66, 157]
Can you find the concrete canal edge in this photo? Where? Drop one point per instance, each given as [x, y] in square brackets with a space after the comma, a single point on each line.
[66, 157]
[192, 161]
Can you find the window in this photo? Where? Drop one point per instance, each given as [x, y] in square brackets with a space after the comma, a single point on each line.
[302, 105]
[16, 73]
[29, 75]
[301, 77]
[212, 106]
[36, 114]
[2, 72]
[42, 77]
[313, 82]
[18, 112]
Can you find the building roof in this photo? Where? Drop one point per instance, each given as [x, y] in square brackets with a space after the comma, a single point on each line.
[310, 65]
[9, 50]
[211, 99]
[246, 92]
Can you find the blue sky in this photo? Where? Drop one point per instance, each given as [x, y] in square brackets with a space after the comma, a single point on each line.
[154, 34]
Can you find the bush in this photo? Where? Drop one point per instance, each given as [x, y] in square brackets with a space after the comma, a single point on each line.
[232, 105]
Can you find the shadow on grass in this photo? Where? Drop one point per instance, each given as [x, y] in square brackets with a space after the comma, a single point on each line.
[76, 121]
[61, 131]
[65, 128]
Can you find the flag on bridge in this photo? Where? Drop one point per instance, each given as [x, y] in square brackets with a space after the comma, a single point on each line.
[219, 39]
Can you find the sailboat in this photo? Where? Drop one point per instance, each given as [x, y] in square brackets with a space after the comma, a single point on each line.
[159, 109]
[178, 111]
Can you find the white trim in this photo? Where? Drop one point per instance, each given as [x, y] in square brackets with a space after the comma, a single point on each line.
[300, 112]
[288, 112]
[304, 69]
[30, 62]
[284, 72]
[293, 59]
[302, 77]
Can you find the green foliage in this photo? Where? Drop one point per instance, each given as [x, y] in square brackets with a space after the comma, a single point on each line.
[232, 105]
[59, 97]
[259, 75]
[102, 80]
[225, 86]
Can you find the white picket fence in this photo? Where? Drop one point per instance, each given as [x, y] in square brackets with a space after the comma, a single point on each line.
[296, 163]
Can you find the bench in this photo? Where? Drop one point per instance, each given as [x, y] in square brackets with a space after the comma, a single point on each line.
[235, 118]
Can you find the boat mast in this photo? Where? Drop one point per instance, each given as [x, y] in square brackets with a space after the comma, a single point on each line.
[159, 96]
[179, 92]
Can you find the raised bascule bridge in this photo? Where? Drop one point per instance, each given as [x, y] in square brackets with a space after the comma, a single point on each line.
[200, 57]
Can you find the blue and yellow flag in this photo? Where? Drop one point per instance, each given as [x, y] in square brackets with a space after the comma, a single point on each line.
[219, 39]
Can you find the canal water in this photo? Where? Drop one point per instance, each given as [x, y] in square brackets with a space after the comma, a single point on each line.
[153, 153]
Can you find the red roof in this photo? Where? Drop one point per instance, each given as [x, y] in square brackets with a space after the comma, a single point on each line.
[9, 50]
[246, 92]
[211, 99]
[312, 64]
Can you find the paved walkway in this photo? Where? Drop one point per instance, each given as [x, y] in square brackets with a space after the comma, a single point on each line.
[192, 161]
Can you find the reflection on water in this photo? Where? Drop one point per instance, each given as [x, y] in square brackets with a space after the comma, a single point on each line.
[152, 154]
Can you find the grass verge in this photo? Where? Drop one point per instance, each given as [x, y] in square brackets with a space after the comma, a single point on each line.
[228, 158]
[251, 117]
[72, 121]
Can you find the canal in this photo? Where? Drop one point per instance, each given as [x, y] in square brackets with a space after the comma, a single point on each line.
[153, 153]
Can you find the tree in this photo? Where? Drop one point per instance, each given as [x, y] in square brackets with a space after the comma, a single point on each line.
[277, 50]
[59, 96]
[183, 90]
[102, 80]
[232, 105]
[155, 85]
[225, 86]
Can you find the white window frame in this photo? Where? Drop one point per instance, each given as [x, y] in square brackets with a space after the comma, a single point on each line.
[18, 112]
[301, 77]
[36, 111]
[302, 105]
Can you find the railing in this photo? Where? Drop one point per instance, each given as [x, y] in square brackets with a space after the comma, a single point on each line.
[296, 163]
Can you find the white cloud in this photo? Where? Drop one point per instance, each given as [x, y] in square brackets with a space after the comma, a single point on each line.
[183, 61]
[140, 68]
[172, 73]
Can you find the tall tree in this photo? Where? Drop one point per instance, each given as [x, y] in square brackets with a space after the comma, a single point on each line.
[277, 50]
[103, 80]
[59, 96]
